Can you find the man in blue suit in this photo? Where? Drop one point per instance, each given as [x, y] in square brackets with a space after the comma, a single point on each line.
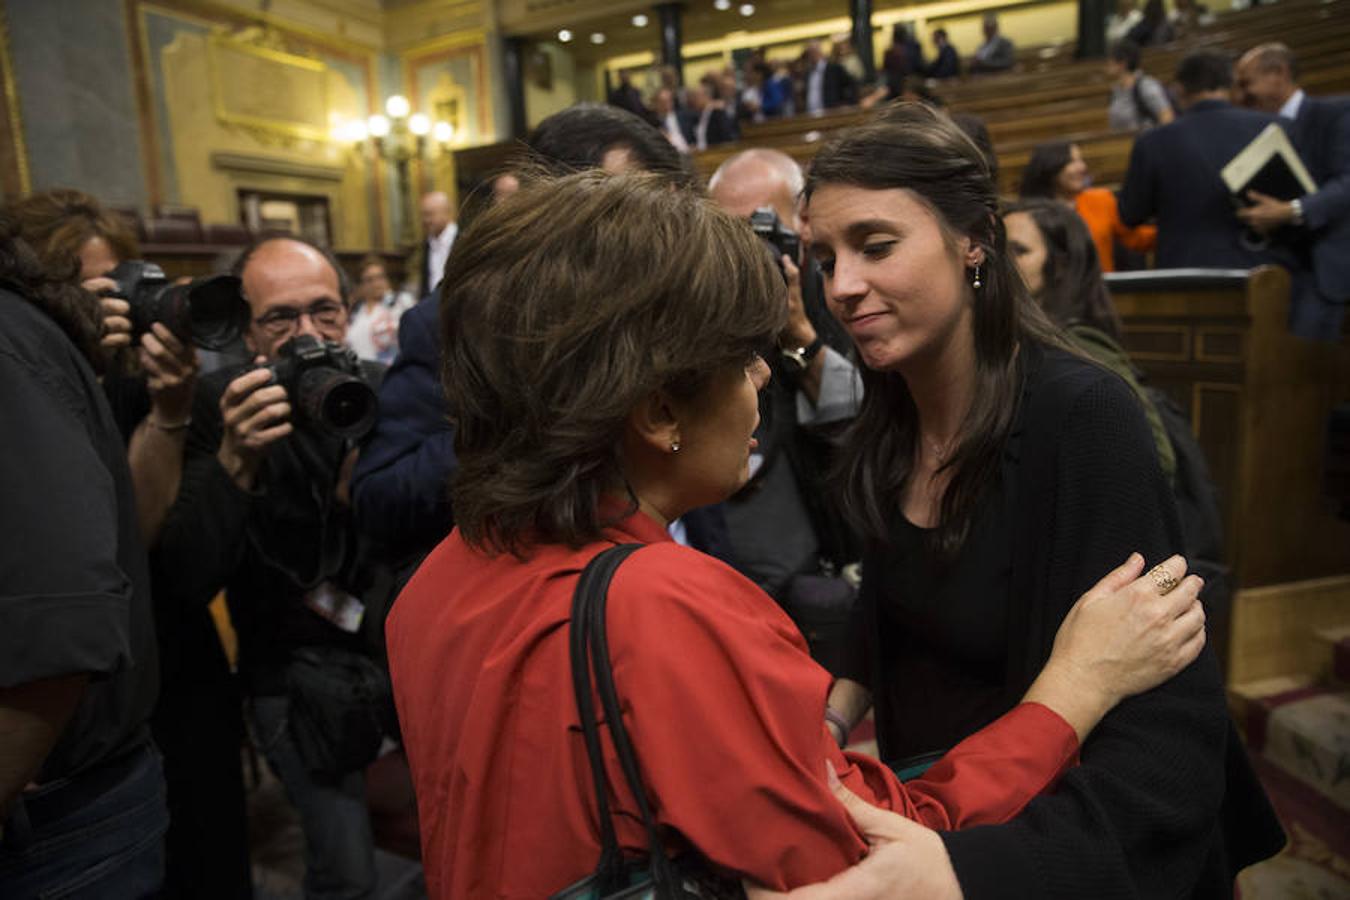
[1318, 223]
[400, 488]
[1174, 173]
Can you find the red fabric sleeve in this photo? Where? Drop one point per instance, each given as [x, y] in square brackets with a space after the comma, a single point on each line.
[726, 712]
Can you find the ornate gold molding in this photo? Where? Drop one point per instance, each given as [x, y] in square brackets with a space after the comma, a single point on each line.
[14, 115]
[298, 81]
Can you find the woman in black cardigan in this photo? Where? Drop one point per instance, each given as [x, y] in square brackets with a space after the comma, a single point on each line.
[997, 475]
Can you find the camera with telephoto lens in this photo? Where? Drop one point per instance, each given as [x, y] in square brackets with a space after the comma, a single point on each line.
[208, 312]
[324, 385]
[780, 238]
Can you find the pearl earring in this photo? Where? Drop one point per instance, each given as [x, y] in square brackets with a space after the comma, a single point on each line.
[976, 283]
[674, 446]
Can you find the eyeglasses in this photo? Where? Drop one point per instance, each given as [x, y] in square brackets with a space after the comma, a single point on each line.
[281, 321]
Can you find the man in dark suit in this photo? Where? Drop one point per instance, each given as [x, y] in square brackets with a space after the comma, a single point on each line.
[1174, 173]
[947, 64]
[996, 54]
[703, 122]
[828, 84]
[1318, 223]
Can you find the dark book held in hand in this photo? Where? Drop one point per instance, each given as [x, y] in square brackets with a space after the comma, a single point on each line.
[1268, 165]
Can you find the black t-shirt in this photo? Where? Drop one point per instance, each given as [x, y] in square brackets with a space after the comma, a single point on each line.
[944, 634]
[74, 584]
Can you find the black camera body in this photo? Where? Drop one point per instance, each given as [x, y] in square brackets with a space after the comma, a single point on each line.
[324, 384]
[774, 231]
[208, 312]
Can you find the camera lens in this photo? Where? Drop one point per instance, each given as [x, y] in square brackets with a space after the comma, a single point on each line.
[336, 402]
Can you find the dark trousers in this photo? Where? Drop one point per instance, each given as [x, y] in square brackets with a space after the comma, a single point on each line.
[97, 836]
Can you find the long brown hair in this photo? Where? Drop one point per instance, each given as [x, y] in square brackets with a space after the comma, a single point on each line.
[1074, 290]
[921, 150]
[562, 306]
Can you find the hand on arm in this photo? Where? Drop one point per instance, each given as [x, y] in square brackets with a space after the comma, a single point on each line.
[1121, 638]
[256, 414]
[905, 861]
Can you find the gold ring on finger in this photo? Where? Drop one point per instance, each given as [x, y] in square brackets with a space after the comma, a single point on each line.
[1163, 579]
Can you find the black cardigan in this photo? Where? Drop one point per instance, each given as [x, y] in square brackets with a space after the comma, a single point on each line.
[1164, 803]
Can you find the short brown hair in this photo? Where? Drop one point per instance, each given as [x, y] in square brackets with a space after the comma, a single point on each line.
[58, 223]
[562, 307]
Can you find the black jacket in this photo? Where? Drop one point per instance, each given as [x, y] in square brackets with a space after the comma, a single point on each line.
[1164, 803]
[1174, 176]
[1322, 135]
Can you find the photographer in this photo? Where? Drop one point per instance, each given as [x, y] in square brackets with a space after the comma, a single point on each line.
[81, 784]
[263, 512]
[786, 535]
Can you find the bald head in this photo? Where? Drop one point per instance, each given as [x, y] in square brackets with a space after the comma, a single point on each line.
[756, 178]
[436, 213]
[1266, 77]
[282, 275]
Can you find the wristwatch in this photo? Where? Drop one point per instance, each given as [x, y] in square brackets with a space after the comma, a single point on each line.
[800, 357]
[1296, 208]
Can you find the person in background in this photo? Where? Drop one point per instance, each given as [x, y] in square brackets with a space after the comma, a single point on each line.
[778, 91]
[1057, 171]
[82, 796]
[1138, 100]
[992, 471]
[1125, 17]
[996, 54]
[947, 63]
[904, 57]
[376, 311]
[627, 96]
[438, 235]
[825, 84]
[1319, 223]
[1153, 28]
[704, 123]
[843, 52]
[1057, 259]
[1173, 174]
[668, 119]
[594, 407]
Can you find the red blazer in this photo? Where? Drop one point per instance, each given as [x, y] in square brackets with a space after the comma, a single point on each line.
[723, 703]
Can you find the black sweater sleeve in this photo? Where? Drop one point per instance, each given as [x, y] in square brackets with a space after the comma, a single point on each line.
[203, 535]
[1138, 817]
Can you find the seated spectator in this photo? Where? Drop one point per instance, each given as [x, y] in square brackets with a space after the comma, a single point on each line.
[996, 54]
[1119, 23]
[1188, 16]
[1057, 171]
[825, 84]
[1153, 28]
[704, 123]
[595, 407]
[1138, 100]
[373, 328]
[947, 63]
